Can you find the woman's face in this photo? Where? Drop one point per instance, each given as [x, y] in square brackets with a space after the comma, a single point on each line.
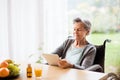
[79, 31]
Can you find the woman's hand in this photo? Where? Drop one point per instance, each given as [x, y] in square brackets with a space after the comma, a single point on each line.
[64, 64]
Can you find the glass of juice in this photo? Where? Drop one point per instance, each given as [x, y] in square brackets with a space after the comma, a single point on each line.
[38, 70]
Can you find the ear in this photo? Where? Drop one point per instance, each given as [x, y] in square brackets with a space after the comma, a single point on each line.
[88, 32]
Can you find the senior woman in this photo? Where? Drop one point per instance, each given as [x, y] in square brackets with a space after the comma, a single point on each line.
[77, 52]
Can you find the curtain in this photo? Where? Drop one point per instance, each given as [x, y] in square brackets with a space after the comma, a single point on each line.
[3, 30]
[55, 24]
[21, 28]
[29, 26]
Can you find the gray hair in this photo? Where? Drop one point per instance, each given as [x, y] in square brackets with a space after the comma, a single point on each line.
[86, 22]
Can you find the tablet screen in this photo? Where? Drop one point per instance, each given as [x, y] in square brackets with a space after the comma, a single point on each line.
[52, 59]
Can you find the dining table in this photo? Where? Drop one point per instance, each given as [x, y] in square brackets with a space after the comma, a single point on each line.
[56, 73]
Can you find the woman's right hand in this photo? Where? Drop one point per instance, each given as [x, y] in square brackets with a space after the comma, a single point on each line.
[64, 64]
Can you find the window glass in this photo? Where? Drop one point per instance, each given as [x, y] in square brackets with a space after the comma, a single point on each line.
[105, 18]
[103, 14]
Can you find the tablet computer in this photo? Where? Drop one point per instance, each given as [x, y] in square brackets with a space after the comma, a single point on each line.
[52, 59]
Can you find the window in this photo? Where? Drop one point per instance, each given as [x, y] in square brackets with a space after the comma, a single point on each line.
[103, 14]
[105, 18]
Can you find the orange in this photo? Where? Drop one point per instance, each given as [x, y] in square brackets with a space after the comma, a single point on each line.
[4, 72]
[3, 64]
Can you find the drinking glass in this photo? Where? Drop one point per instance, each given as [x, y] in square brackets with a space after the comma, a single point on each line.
[38, 70]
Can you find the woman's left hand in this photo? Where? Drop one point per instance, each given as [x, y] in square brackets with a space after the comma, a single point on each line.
[64, 64]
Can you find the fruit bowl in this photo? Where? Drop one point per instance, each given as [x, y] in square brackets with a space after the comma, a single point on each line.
[9, 69]
[9, 77]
